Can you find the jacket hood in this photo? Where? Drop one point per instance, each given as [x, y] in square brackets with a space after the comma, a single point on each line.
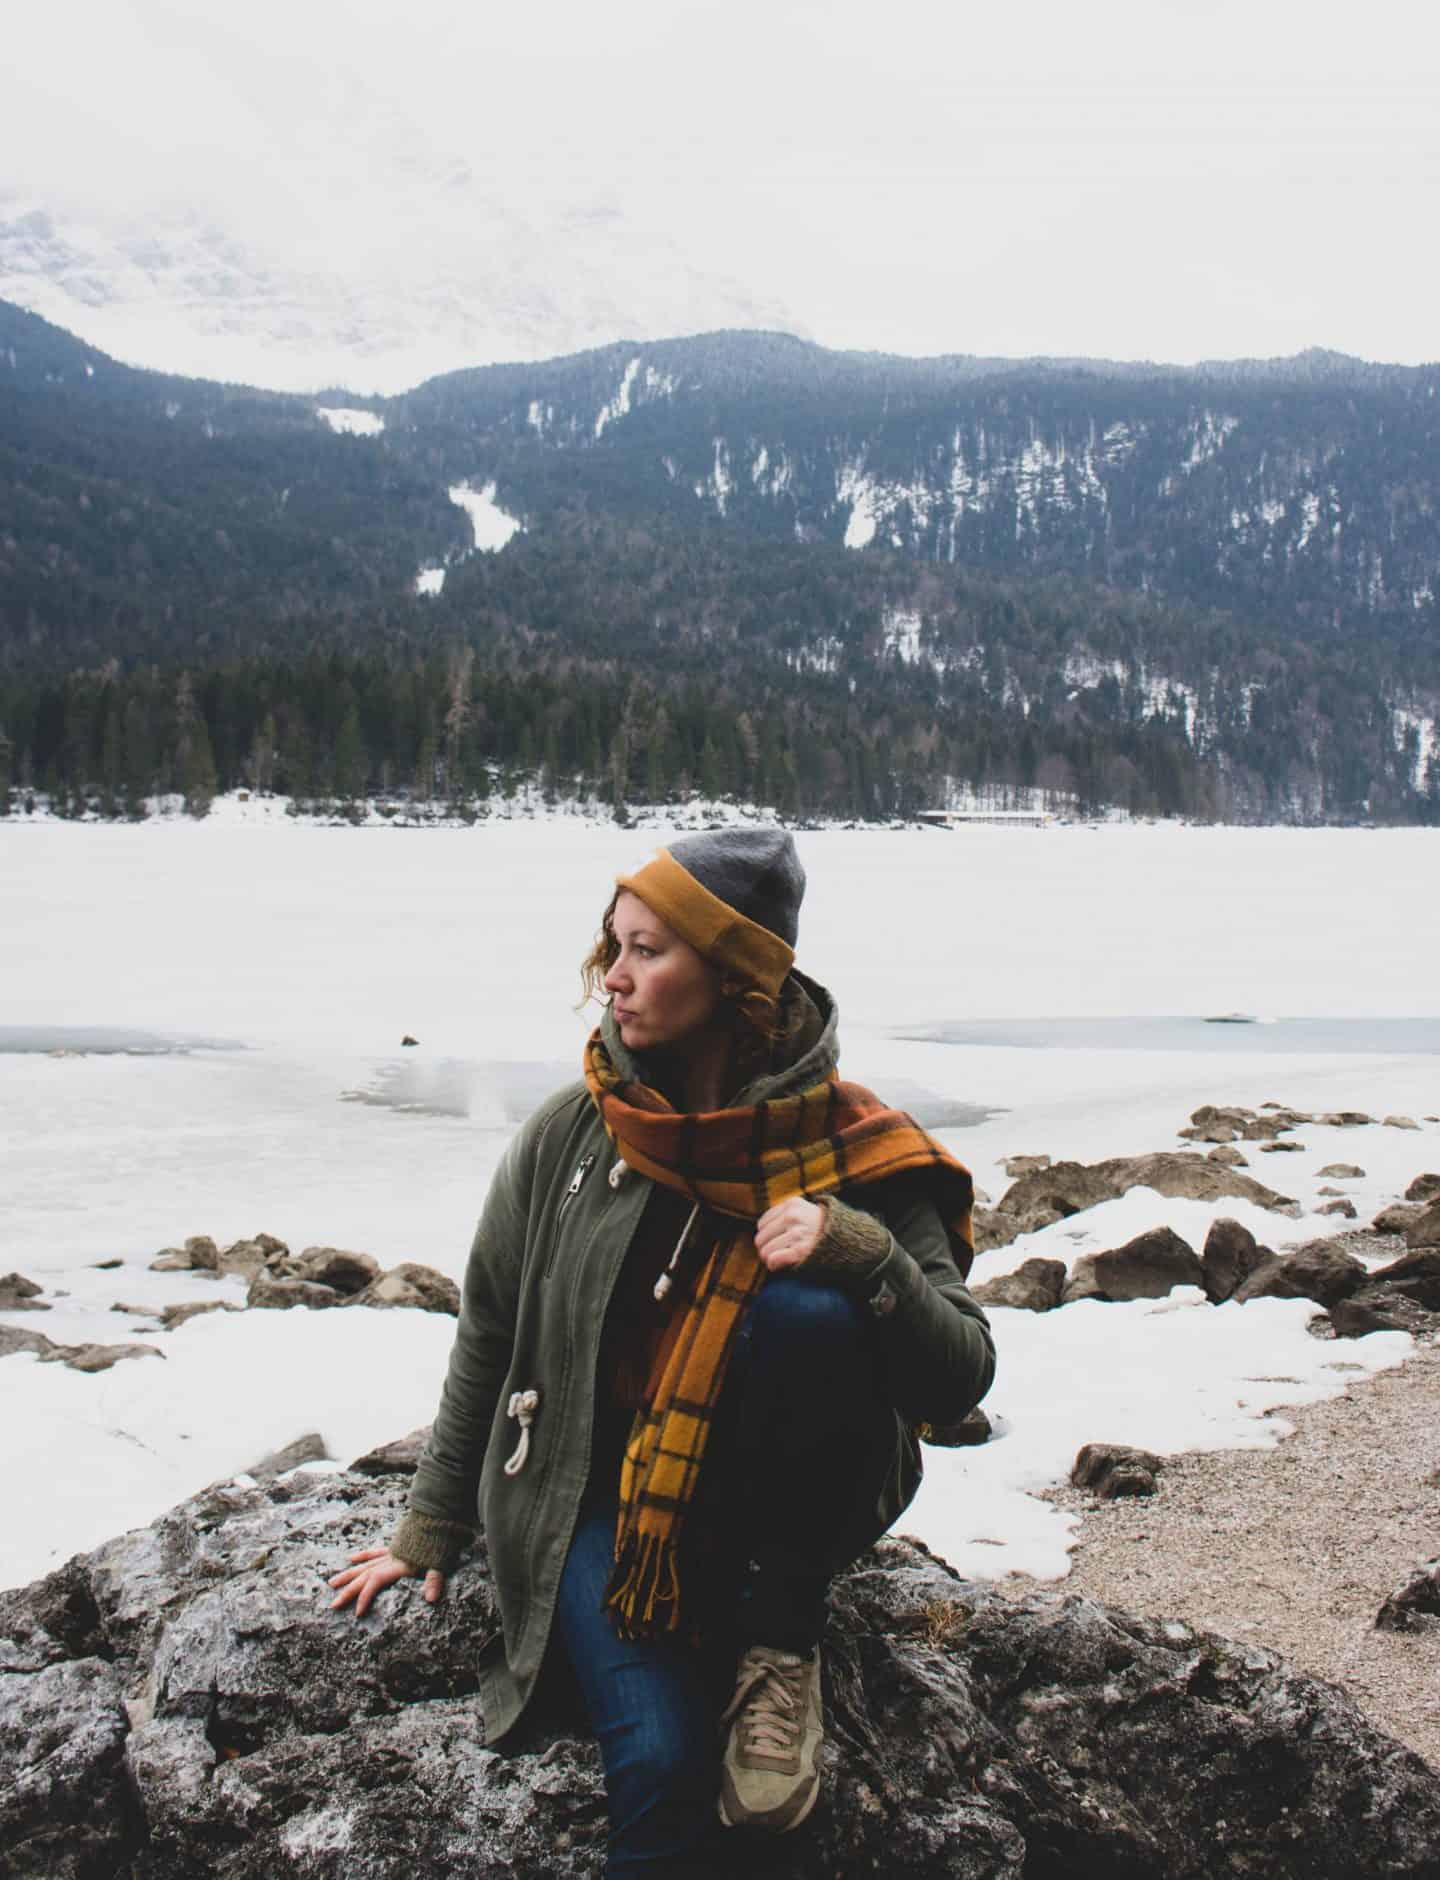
[811, 1053]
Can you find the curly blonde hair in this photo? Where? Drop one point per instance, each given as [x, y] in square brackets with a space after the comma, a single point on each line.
[760, 1023]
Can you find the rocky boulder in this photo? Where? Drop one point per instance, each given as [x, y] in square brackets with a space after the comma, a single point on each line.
[1416, 1275]
[1401, 1122]
[1227, 1157]
[1231, 1255]
[173, 1317]
[1397, 1217]
[1425, 1232]
[1345, 1119]
[270, 1294]
[1114, 1470]
[1424, 1188]
[973, 1429]
[249, 1257]
[1035, 1286]
[990, 1228]
[1070, 1187]
[402, 1457]
[90, 1358]
[336, 1267]
[1343, 1171]
[182, 1702]
[1015, 1165]
[18, 1294]
[1315, 1271]
[1147, 1267]
[1344, 1207]
[1419, 1596]
[1374, 1308]
[410, 1284]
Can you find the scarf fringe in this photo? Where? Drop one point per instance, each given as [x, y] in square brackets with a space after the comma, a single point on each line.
[644, 1591]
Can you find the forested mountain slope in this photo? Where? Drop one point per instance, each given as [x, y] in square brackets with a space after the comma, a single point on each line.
[833, 581]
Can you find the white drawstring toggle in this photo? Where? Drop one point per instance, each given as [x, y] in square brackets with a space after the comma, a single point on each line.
[523, 1405]
[619, 1172]
[664, 1283]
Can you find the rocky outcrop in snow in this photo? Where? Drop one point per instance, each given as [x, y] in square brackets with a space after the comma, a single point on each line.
[182, 1702]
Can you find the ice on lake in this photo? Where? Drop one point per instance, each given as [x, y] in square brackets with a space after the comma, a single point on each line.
[204, 1028]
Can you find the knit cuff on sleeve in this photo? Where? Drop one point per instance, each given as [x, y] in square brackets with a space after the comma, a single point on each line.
[425, 1541]
[854, 1244]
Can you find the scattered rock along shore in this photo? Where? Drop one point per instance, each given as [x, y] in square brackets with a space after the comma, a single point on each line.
[182, 1702]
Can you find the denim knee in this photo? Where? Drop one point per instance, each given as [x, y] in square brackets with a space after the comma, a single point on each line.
[793, 1308]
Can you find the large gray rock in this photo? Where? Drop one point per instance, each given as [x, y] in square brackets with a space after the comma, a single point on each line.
[1231, 1255]
[1035, 1286]
[1315, 1271]
[1424, 1188]
[182, 1703]
[1147, 1267]
[1070, 1187]
[1426, 1231]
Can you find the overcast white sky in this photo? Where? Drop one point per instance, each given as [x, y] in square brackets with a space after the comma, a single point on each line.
[1165, 180]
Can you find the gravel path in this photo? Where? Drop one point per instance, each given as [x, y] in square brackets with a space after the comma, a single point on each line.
[1296, 1547]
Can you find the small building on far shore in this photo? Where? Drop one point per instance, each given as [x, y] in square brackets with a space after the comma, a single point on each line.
[1004, 818]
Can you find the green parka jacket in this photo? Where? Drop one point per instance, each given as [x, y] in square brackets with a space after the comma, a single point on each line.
[557, 1224]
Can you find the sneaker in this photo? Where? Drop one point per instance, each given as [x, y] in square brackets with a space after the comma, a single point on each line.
[770, 1776]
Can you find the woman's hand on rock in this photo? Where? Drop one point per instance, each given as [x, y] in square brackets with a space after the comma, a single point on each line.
[787, 1234]
[371, 1571]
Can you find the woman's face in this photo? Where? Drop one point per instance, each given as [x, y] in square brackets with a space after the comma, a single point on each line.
[662, 991]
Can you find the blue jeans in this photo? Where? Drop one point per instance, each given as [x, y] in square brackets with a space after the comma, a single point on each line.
[803, 1441]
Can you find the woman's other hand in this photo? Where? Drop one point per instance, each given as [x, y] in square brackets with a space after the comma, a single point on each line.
[787, 1234]
[371, 1571]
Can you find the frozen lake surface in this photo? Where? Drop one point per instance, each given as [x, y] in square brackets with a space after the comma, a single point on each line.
[200, 1032]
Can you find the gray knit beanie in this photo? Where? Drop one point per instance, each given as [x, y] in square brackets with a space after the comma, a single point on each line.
[755, 871]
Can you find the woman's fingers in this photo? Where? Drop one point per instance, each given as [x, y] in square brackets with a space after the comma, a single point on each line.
[376, 1569]
[788, 1233]
[434, 1585]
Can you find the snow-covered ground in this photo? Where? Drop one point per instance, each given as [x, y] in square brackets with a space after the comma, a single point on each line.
[274, 969]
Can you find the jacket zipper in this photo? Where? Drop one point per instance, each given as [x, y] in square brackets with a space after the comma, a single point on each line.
[577, 1182]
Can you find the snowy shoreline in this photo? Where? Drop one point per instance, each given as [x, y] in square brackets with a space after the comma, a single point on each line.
[315, 954]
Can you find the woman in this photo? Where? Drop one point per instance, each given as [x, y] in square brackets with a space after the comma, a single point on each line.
[713, 1293]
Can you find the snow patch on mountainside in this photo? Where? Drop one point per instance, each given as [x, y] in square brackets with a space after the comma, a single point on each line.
[1407, 725]
[430, 581]
[619, 405]
[349, 422]
[493, 526]
[1207, 438]
[862, 494]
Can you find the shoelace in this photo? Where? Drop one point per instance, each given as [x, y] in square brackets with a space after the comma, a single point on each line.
[772, 1693]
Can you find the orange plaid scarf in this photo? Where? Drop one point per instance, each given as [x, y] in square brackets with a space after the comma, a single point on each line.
[735, 1163]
